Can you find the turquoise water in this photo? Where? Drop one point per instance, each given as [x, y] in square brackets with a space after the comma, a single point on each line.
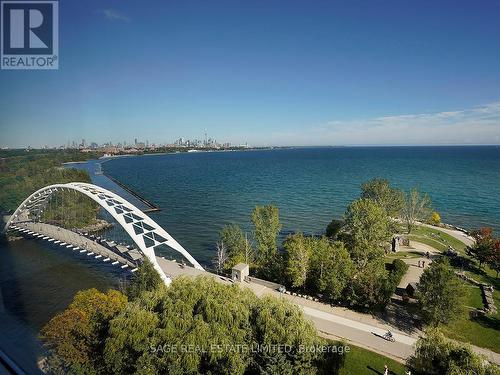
[200, 192]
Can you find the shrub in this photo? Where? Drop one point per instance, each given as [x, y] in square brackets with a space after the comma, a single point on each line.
[435, 219]
[334, 228]
[397, 270]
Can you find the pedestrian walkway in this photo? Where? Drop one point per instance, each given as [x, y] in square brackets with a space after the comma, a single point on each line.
[416, 266]
[70, 240]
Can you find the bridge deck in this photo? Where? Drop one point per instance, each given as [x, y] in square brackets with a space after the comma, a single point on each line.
[67, 237]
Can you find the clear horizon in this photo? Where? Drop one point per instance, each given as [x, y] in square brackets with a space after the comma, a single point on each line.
[300, 74]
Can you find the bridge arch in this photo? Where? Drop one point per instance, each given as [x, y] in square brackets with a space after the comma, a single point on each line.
[143, 230]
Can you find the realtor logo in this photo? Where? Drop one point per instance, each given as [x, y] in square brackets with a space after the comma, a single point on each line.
[29, 34]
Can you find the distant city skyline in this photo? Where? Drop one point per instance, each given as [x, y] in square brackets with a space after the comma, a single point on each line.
[136, 143]
[267, 73]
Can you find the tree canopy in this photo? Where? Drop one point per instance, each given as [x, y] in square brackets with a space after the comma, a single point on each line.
[440, 293]
[333, 228]
[75, 338]
[266, 229]
[331, 268]
[235, 243]
[368, 228]
[22, 173]
[437, 355]
[417, 207]
[146, 278]
[379, 191]
[485, 249]
[194, 326]
[298, 251]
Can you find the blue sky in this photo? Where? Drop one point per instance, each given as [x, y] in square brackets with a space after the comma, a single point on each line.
[266, 72]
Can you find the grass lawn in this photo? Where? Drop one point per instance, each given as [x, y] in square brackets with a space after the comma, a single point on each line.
[405, 255]
[436, 238]
[482, 331]
[474, 297]
[362, 361]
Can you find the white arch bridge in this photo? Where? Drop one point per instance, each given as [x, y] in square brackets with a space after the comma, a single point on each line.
[143, 230]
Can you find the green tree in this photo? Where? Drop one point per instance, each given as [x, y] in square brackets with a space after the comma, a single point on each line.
[194, 326]
[236, 244]
[70, 209]
[440, 293]
[197, 325]
[368, 229]
[146, 278]
[267, 227]
[298, 251]
[369, 285]
[397, 271]
[417, 207]
[22, 173]
[75, 338]
[331, 268]
[191, 327]
[387, 197]
[333, 229]
[437, 355]
[276, 321]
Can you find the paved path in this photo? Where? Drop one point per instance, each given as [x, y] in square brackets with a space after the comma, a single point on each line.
[414, 270]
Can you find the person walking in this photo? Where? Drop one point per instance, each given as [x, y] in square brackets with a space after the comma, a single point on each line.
[386, 370]
[423, 264]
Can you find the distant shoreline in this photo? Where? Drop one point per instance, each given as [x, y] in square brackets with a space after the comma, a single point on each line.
[104, 159]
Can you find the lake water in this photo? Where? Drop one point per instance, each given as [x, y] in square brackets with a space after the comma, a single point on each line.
[200, 192]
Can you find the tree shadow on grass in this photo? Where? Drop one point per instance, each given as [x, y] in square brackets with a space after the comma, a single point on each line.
[331, 363]
[487, 321]
[375, 371]
[472, 266]
[379, 372]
